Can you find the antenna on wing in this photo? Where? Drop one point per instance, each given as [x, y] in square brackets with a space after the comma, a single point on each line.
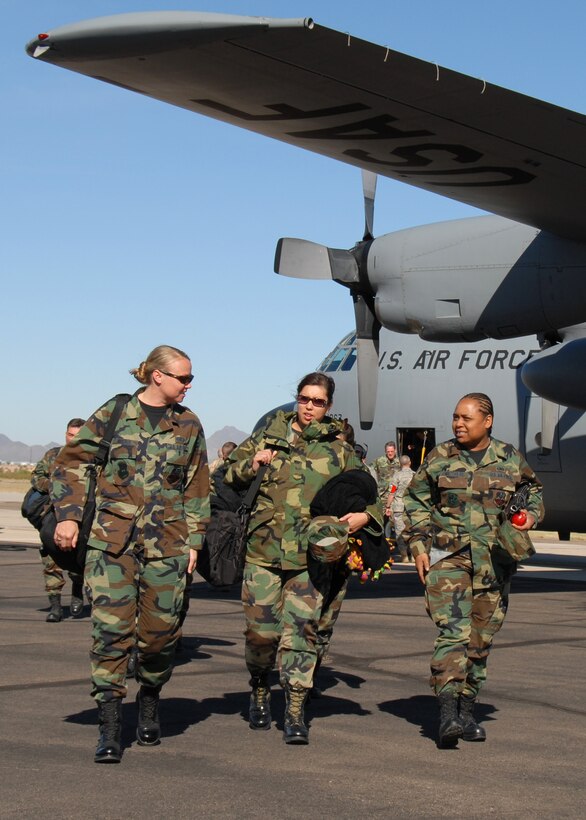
[301, 259]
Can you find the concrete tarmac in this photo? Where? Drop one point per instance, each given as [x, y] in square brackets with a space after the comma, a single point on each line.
[372, 750]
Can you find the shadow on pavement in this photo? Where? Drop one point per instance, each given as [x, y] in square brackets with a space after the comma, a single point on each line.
[177, 714]
[191, 649]
[422, 711]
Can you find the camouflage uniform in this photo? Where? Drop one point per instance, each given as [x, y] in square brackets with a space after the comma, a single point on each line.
[454, 512]
[282, 596]
[40, 480]
[401, 480]
[152, 506]
[331, 606]
[384, 469]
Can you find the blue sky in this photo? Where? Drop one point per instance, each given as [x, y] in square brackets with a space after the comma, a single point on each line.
[127, 223]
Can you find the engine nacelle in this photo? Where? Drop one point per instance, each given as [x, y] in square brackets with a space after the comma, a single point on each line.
[470, 279]
[556, 374]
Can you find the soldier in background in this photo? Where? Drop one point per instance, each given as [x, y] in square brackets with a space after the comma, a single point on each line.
[223, 453]
[53, 574]
[395, 506]
[384, 467]
[152, 503]
[466, 551]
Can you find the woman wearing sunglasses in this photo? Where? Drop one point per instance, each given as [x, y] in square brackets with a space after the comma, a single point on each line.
[282, 599]
[152, 508]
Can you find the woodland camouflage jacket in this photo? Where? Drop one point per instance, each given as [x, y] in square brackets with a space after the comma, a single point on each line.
[277, 530]
[384, 469]
[40, 479]
[452, 502]
[154, 486]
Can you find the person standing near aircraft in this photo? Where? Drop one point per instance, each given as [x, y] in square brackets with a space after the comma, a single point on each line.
[395, 507]
[152, 508]
[53, 575]
[384, 467]
[466, 551]
[282, 599]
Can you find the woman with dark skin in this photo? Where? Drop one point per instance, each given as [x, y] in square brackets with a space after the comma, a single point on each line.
[466, 552]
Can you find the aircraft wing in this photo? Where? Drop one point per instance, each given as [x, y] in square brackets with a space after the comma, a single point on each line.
[348, 99]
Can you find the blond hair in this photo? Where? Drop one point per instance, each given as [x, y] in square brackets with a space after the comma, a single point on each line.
[158, 359]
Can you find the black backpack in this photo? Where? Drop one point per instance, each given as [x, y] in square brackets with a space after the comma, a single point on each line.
[221, 560]
[35, 505]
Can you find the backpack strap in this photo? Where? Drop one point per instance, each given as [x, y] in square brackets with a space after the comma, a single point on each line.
[250, 496]
[101, 458]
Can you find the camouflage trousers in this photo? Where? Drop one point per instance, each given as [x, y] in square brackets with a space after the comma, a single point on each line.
[467, 619]
[399, 526]
[332, 604]
[53, 576]
[281, 608]
[134, 601]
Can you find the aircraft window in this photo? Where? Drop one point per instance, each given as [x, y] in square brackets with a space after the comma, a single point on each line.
[336, 359]
[348, 364]
[339, 358]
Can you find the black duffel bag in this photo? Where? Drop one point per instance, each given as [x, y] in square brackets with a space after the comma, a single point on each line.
[74, 560]
[71, 560]
[35, 506]
[221, 560]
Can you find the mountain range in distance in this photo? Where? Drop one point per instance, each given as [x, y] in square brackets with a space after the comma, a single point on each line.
[215, 441]
[17, 452]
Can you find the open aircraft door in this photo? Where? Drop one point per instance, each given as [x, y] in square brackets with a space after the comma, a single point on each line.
[415, 442]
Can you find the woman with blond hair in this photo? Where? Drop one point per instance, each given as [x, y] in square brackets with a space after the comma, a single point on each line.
[152, 507]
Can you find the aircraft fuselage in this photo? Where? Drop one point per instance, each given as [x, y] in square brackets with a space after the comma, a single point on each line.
[419, 385]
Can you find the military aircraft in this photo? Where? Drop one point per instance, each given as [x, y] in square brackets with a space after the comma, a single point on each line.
[419, 384]
[520, 158]
[517, 272]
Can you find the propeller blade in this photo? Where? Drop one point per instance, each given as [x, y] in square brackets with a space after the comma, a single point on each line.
[367, 356]
[369, 191]
[301, 259]
[549, 419]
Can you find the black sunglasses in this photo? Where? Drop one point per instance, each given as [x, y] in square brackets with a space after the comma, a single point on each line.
[301, 399]
[182, 379]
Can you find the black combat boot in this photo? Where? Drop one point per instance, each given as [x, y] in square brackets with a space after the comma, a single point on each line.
[259, 713]
[470, 729]
[76, 605]
[450, 728]
[148, 731]
[294, 728]
[56, 613]
[110, 723]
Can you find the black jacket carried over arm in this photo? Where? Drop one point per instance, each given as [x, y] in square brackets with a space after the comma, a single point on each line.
[354, 491]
